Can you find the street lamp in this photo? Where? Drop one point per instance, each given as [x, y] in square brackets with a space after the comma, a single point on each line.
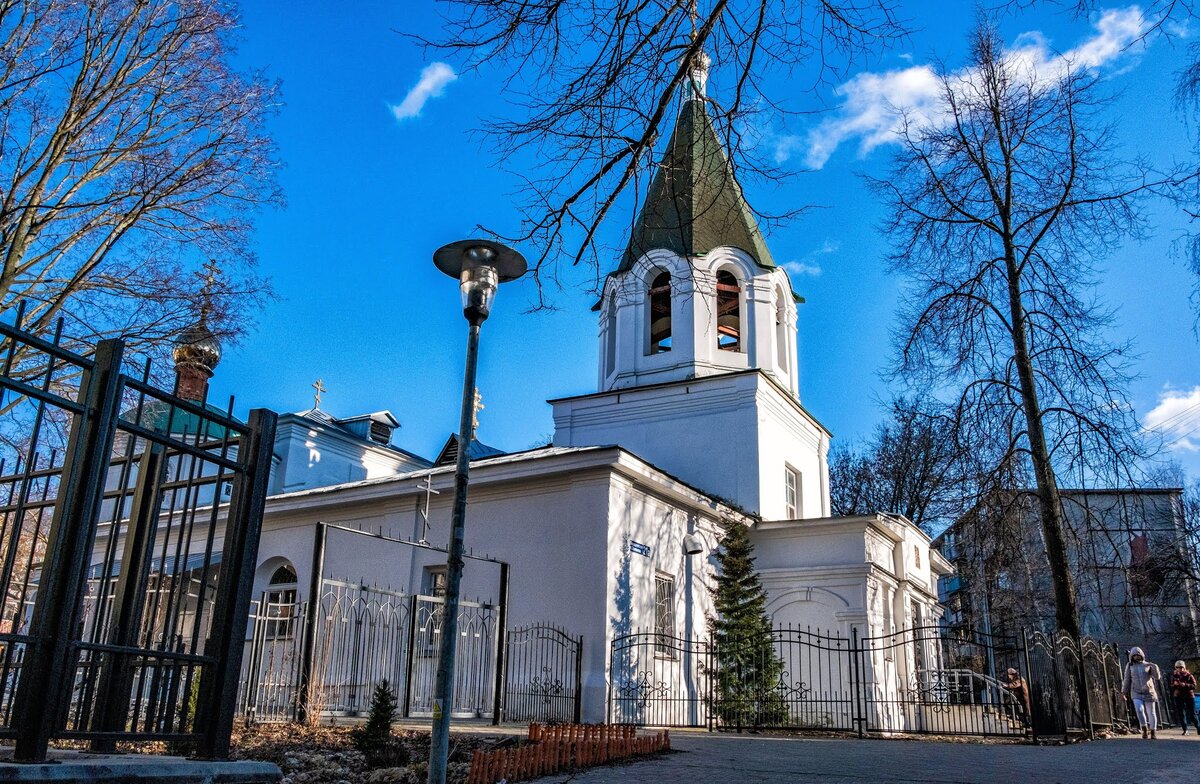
[479, 266]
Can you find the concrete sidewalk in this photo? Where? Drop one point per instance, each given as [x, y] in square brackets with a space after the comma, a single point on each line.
[702, 757]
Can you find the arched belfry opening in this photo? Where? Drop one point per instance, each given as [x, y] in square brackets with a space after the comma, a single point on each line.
[729, 312]
[659, 308]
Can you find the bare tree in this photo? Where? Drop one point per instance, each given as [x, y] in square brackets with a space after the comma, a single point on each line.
[596, 83]
[1000, 206]
[912, 465]
[131, 152]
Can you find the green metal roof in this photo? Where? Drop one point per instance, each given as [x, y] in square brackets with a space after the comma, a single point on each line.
[695, 204]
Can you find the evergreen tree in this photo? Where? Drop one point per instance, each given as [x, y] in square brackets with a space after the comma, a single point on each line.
[747, 672]
[374, 738]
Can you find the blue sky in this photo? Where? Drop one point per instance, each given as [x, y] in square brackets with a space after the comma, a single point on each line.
[381, 168]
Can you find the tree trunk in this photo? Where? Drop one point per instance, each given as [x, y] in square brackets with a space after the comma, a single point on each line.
[1049, 502]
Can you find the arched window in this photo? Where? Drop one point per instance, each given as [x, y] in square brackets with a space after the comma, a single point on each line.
[729, 312]
[610, 339]
[660, 313]
[781, 331]
[279, 603]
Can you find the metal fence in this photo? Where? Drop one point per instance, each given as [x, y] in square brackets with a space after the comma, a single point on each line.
[1076, 684]
[921, 680]
[543, 675]
[129, 523]
[299, 663]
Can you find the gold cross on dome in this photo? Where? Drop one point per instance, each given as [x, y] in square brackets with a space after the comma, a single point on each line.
[319, 385]
[476, 407]
[211, 272]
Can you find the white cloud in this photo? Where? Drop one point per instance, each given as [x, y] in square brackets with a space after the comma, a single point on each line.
[433, 81]
[1177, 418]
[873, 104]
[809, 264]
[802, 268]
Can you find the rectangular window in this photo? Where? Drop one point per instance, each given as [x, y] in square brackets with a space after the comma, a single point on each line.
[433, 582]
[664, 613]
[792, 492]
[429, 614]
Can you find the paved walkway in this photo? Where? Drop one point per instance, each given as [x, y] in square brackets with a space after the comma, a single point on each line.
[702, 758]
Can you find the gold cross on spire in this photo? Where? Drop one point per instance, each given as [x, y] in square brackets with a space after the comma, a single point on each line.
[476, 407]
[318, 385]
[211, 272]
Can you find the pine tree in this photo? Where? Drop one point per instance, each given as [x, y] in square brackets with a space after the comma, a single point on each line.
[747, 672]
[374, 738]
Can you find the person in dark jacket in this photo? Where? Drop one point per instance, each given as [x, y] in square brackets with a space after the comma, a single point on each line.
[1183, 693]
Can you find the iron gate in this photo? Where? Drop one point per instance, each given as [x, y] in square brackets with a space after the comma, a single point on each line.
[543, 675]
[129, 522]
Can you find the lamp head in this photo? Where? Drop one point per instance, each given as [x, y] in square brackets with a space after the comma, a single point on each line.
[480, 266]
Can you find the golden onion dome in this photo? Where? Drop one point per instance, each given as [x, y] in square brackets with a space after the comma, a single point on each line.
[197, 347]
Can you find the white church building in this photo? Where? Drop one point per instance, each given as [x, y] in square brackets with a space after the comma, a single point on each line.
[613, 527]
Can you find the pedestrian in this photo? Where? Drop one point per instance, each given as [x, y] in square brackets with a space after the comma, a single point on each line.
[1183, 692]
[1019, 689]
[1140, 686]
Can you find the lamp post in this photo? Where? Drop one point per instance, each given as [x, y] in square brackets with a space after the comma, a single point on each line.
[479, 266]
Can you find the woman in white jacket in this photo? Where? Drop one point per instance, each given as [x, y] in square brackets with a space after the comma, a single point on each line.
[1141, 685]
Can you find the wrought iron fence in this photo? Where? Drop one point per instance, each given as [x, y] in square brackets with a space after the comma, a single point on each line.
[544, 675]
[1076, 683]
[301, 663]
[129, 522]
[922, 680]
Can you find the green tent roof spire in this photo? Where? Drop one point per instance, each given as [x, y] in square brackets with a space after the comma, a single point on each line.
[694, 203]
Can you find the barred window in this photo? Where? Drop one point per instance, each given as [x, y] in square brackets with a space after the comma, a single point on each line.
[664, 612]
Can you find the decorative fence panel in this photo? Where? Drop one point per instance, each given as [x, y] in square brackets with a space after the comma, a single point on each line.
[365, 634]
[129, 522]
[925, 680]
[659, 680]
[544, 675]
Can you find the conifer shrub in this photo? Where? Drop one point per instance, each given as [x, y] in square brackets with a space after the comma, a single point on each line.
[748, 673]
[374, 739]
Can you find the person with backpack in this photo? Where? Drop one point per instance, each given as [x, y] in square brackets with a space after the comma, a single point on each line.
[1183, 693]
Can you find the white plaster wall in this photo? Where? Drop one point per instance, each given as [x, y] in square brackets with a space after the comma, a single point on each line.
[315, 456]
[788, 436]
[703, 431]
[639, 515]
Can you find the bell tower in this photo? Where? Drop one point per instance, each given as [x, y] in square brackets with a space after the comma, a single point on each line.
[697, 361]
[697, 292]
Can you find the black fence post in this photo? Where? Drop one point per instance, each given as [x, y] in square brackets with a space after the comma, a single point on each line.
[47, 677]
[857, 698]
[579, 680]
[501, 679]
[410, 654]
[307, 654]
[112, 694]
[243, 527]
